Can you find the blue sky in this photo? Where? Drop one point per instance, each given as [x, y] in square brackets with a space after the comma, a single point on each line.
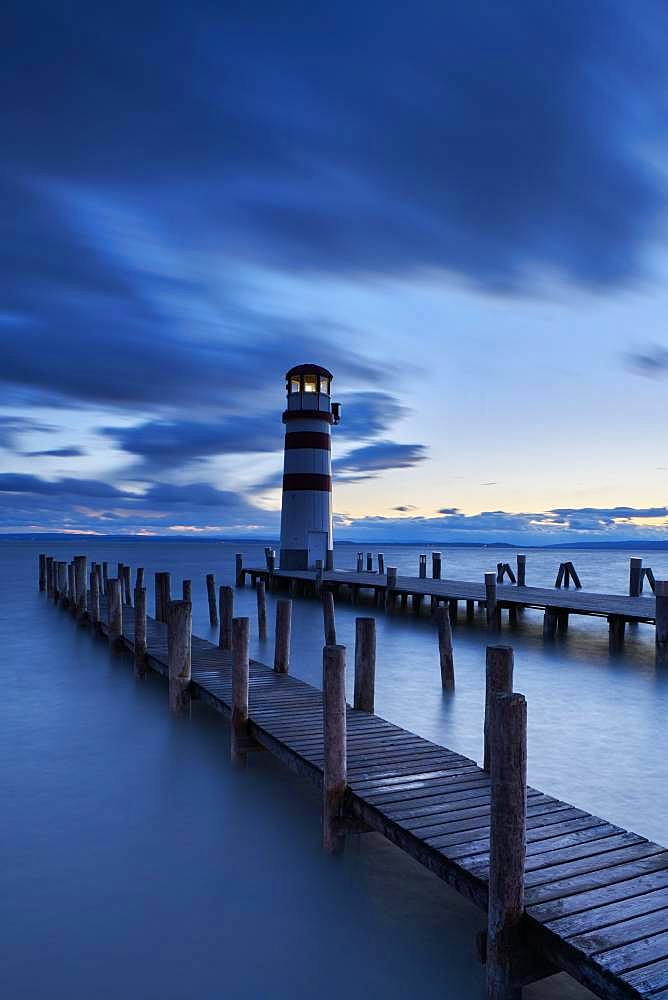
[459, 209]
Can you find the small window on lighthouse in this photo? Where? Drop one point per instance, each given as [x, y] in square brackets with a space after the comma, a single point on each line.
[310, 383]
[324, 384]
[294, 385]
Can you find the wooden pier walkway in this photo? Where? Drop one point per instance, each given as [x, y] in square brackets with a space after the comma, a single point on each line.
[596, 896]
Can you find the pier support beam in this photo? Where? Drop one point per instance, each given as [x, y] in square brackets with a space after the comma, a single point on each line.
[226, 609]
[662, 623]
[335, 766]
[94, 611]
[616, 630]
[470, 611]
[498, 680]
[42, 573]
[211, 595]
[328, 618]
[490, 602]
[282, 637]
[240, 674]
[61, 582]
[365, 664]
[507, 849]
[549, 624]
[80, 574]
[115, 611]
[261, 593]
[390, 595]
[179, 639]
[445, 648]
[48, 572]
[140, 632]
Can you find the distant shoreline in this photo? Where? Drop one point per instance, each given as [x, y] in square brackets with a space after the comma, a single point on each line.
[624, 545]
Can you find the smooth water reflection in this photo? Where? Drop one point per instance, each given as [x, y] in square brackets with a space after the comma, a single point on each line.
[137, 863]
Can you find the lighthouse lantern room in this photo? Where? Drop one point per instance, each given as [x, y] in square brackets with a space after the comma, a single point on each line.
[306, 511]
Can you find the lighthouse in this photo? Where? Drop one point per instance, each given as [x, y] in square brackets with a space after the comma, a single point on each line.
[306, 509]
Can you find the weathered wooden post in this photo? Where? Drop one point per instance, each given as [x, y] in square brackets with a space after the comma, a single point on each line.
[261, 609]
[93, 571]
[127, 585]
[635, 577]
[95, 600]
[187, 591]
[240, 674]
[490, 602]
[271, 562]
[616, 631]
[71, 598]
[365, 664]
[42, 572]
[239, 565]
[369, 562]
[328, 618]
[498, 680]
[140, 632]
[470, 611]
[139, 578]
[335, 768]
[120, 574]
[179, 631]
[80, 574]
[422, 565]
[360, 562]
[453, 611]
[226, 607]
[550, 620]
[211, 596]
[507, 847]
[318, 577]
[381, 564]
[48, 567]
[390, 595]
[661, 623]
[499, 572]
[163, 595]
[98, 571]
[282, 636]
[521, 570]
[115, 612]
[105, 577]
[436, 565]
[445, 648]
[61, 581]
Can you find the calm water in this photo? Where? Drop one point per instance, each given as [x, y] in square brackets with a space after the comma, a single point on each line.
[137, 863]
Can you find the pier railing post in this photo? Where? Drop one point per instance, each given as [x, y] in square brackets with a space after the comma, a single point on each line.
[442, 616]
[490, 602]
[436, 565]
[390, 595]
[422, 566]
[282, 637]
[239, 569]
[163, 590]
[381, 564]
[114, 611]
[240, 674]
[498, 680]
[261, 609]
[211, 596]
[328, 618]
[94, 599]
[48, 569]
[140, 632]
[187, 590]
[127, 586]
[335, 768]
[42, 572]
[365, 664]
[226, 611]
[635, 577]
[360, 562]
[179, 638]
[80, 574]
[61, 582]
[71, 592]
[369, 562]
[105, 577]
[521, 570]
[662, 623]
[507, 848]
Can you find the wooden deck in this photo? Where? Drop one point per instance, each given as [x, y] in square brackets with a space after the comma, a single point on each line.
[580, 602]
[596, 895]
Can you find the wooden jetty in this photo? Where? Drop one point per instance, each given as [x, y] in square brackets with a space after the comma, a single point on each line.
[563, 890]
[389, 590]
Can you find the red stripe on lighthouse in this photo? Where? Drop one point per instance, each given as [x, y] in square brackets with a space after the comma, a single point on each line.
[308, 439]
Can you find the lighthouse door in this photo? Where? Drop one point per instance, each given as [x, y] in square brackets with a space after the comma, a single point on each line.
[317, 548]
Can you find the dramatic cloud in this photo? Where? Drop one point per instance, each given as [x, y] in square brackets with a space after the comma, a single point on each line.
[373, 458]
[55, 453]
[12, 427]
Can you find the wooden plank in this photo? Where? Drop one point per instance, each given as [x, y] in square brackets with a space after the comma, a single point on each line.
[625, 931]
[638, 953]
[636, 861]
[632, 898]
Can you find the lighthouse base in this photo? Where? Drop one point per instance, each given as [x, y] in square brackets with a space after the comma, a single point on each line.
[298, 559]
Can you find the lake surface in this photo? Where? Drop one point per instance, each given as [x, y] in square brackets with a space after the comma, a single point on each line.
[137, 863]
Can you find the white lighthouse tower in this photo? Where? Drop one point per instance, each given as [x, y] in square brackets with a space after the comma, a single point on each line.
[306, 511]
